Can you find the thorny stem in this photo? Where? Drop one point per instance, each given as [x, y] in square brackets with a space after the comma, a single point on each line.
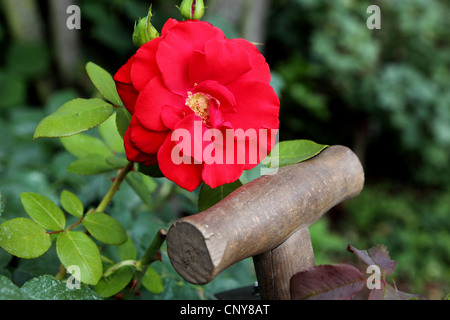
[61, 273]
[115, 186]
[146, 261]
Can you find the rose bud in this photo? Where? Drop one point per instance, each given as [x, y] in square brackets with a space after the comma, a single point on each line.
[144, 31]
[192, 9]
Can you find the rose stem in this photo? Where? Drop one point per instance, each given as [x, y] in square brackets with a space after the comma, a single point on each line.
[114, 187]
[146, 261]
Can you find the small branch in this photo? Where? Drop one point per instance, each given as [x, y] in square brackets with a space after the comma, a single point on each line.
[157, 242]
[126, 263]
[61, 273]
[146, 261]
[107, 260]
[55, 232]
[114, 187]
[101, 207]
[74, 225]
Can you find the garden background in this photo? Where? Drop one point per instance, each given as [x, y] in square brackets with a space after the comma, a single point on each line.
[383, 93]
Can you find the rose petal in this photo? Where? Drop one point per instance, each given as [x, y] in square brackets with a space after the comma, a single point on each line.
[123, 75]
[171, 115]
[257, 105]
[145, 140]
[215, 116]
[257, 144]
[192, 130]
[265, 146]
[222, 100]
[144, 67]
[260, 69]
[151, 100]
[215, 175]
[219, 92]
[124, 87]
[222, 60]
[222, 164]
[187, 176]
[170, 23]
[176, 48]
[135, 155]
[128, 95]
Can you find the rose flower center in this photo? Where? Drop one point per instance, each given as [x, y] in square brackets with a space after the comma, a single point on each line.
[200, 103]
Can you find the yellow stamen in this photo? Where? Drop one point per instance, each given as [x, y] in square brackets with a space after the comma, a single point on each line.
[199, 103]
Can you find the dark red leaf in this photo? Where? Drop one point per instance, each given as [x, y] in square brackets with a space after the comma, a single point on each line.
[377, 255]
[327, 282]
[388, 292]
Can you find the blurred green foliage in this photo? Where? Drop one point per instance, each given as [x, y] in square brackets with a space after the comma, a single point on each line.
[416, 227]
[390, 85]
[384, 93]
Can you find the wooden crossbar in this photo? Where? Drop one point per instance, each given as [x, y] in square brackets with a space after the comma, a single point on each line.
[267, 219]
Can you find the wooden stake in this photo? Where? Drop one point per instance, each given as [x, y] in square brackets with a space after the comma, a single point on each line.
[275, 268]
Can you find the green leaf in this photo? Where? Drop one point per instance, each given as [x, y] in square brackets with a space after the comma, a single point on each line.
[152, 281]
[82, 145]
[109, 133]
[104, 82]
[143, 186]
[47, 287]
[208, 196]
[116, 162]
[127, 250]
[44, 211]
[24, 238]
[73, 117]
[9, 291]
[72, 204]
[292, 151]
[123, 119]
[76, 248]
[113, 284]
[105, 228]
[89, 165]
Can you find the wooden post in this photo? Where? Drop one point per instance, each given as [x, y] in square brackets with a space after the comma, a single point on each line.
[275, 268]
[266, 219]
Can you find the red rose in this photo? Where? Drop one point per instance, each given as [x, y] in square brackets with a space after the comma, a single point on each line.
[202, 106]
